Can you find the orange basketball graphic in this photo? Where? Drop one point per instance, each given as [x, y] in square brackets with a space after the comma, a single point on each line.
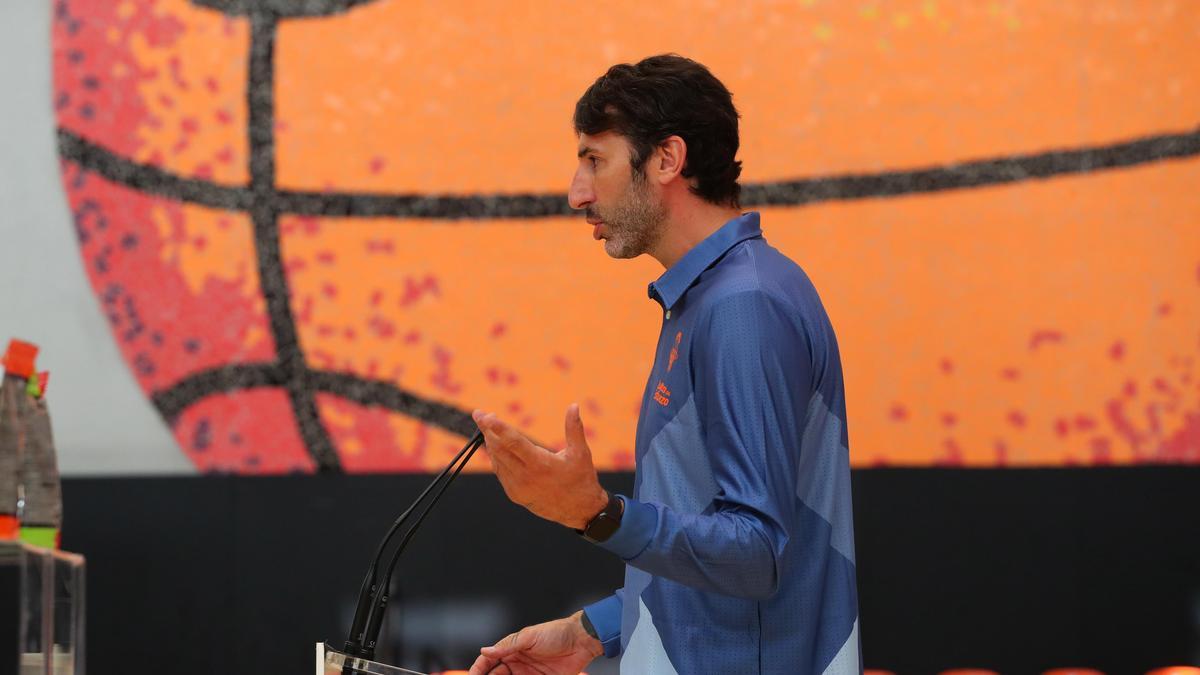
[323, 232]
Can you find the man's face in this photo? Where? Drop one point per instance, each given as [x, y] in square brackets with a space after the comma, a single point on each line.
[620, 204]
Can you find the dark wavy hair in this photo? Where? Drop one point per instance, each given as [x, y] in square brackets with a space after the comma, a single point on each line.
[669, 95]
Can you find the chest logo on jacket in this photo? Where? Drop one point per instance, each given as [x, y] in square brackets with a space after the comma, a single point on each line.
[674, 351]
[662, 395]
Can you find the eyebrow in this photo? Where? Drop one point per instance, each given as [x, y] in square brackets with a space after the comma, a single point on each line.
[585, 150]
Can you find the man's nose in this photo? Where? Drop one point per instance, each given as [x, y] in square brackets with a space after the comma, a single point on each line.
[581, 193]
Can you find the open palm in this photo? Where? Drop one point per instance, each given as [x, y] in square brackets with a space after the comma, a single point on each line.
[558, 647]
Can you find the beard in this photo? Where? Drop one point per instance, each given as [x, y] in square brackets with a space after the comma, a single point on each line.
[635, 223]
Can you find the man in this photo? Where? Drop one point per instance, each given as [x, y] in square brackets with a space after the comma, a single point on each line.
[738, 538]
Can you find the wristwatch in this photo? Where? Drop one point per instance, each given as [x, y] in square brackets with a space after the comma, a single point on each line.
[600, 528]
[588, 626]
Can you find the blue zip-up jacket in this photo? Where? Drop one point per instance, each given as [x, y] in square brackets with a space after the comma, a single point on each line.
[739, 537]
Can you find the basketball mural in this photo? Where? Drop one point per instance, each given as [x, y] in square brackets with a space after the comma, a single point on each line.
[323, 232]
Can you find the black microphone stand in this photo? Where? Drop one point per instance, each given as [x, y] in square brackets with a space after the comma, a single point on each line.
[373, 595]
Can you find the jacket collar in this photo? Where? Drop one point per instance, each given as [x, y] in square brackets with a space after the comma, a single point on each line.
[674, 282]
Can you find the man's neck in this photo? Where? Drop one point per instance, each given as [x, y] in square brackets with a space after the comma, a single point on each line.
[687, 227]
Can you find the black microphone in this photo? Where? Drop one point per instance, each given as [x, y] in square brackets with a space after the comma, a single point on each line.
[373, 595]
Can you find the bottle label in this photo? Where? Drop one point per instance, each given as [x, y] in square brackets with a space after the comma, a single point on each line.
[45, 537]
[8, 527]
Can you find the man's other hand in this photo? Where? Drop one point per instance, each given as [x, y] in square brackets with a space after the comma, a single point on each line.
[560, 647]
[559, 486]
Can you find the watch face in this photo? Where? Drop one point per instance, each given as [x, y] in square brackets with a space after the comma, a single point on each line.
[606, 522]
[603, 527]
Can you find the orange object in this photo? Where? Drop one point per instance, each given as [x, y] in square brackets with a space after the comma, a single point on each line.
[43, 378]
[1175, 670]
[1031, 323]
[9, 528]
[19, 358]
[877, 672]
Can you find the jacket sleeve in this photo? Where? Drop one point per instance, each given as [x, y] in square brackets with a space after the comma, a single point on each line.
[605, 616]
[752, 373]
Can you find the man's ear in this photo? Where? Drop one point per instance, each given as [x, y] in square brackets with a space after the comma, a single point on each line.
[668, 161]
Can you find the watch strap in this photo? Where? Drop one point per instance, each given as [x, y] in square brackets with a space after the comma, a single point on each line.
[605, 523]
[587, 626]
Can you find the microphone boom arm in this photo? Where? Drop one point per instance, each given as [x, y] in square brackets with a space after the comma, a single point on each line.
[373, 594]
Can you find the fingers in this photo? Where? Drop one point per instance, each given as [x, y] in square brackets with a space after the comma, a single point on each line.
[490, 661]
[483, 666]
[505, 442]
[558, 486]
[493, 445]
[575, 434]
[489, 666]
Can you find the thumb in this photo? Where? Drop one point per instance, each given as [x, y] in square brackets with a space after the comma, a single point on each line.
[575, 435]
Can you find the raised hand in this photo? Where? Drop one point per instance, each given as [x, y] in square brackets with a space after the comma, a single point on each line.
[560, 486]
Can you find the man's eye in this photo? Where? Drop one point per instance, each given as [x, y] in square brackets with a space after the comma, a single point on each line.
[593, 160]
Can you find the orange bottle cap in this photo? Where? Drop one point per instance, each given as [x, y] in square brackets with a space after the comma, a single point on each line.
[19, 358]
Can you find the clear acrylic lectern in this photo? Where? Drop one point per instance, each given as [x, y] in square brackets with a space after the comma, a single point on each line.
[41, 625]
[332, 662]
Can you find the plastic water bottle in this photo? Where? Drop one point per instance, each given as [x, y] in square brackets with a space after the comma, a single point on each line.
[30, 488]
[18, 368]
[41, 496]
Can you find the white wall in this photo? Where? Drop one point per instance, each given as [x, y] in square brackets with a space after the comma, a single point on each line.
[103, 424]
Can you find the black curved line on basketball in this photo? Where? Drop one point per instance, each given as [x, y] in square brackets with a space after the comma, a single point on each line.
[387, 395]
[149, 179]
[281, 8]
[957, 176]
[434, 207]
[153, 180]
[171, 402]
[264, 212]
[976, 173]
[236, 377]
